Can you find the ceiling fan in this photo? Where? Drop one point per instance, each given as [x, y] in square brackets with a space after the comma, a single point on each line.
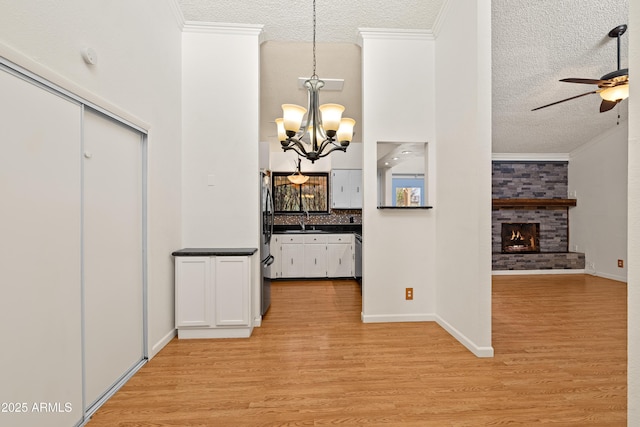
[613, 87]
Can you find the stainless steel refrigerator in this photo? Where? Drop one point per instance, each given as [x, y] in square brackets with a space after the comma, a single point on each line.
[266, 215]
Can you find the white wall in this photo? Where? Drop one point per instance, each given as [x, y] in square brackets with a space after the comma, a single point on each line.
[220, 145]
[598, 224]
[398, 105]
[137, 76]
[633, 286]
[463, 176]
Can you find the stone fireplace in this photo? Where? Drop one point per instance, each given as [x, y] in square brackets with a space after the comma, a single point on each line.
[520, 237]
[531, 206]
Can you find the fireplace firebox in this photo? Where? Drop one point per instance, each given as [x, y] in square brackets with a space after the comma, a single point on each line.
[520, 237]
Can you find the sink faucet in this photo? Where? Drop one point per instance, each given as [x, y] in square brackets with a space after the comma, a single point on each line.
[301, 220]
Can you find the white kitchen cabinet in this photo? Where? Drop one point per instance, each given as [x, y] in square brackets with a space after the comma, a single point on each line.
[346, 188]
[193, 292]
[315, 255]
[340, 255]
[232, 291]
[292, 256]
[213, 296]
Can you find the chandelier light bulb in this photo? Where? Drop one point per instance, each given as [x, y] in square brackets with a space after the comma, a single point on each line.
[282, 133]
[331, 115]
[345, 131]
[292, 115]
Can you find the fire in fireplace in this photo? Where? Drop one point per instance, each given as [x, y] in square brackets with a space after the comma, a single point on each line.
[520, 237]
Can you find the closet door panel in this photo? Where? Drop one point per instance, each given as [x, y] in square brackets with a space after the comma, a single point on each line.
[40, 305]
[113, 252]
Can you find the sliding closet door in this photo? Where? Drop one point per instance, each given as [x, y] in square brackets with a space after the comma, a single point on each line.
[40, 305]
[113, 252]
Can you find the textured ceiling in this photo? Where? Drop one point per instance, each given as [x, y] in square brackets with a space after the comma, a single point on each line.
[534, 44]
[337, 20]
[537, 43]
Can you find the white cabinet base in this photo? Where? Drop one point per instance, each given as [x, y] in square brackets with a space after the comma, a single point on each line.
[204, 333]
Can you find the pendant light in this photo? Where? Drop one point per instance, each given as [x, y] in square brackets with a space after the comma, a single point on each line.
[296, 177]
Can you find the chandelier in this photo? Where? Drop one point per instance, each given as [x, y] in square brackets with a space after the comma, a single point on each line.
[326, 129]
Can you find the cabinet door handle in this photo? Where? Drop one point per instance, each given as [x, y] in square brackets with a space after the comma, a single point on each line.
[315, 261]
[340, 261]
[342, 189]
[291, 261]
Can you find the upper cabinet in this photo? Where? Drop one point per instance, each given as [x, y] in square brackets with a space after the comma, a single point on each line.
[346, 189]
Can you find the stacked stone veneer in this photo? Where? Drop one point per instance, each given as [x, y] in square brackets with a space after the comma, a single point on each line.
[533, 180]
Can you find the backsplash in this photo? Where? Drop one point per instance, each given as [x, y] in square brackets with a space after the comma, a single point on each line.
[337, 216]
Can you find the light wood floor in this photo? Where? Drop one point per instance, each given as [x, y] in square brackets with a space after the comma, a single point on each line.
[560, 358]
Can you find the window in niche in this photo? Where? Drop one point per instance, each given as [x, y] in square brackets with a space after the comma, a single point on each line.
[408, 189]
[312, 196]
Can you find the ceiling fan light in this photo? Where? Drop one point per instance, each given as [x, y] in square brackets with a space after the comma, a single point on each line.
[331, 115]
[615, 93]
[292, 115]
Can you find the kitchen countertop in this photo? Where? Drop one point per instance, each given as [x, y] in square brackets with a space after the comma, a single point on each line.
[215, 252]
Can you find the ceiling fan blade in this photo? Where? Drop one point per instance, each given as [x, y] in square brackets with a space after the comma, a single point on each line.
[607, 105]
[564, 100]
[583, 81]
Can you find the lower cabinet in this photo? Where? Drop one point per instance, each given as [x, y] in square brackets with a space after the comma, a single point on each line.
[340, 257]
[292, 259]
[315, 260]
[213, 296]
[313, 255]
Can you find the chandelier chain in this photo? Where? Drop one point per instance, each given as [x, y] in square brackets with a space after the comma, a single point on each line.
[314, 40]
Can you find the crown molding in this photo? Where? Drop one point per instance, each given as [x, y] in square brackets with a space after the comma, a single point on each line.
[392, 34]
[224, 28]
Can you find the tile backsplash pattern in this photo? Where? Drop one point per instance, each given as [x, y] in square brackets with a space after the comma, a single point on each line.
[337, 216]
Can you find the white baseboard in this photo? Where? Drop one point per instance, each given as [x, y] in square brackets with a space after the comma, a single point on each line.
[390, 318]
[611, 276]
[160, 344]
[478, 351]
[527, 272]
[394, 318]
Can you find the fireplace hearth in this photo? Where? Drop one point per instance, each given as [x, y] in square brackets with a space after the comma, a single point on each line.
[518, 237]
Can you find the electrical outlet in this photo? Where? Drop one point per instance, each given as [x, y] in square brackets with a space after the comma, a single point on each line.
[408, 294]
[620, 263]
